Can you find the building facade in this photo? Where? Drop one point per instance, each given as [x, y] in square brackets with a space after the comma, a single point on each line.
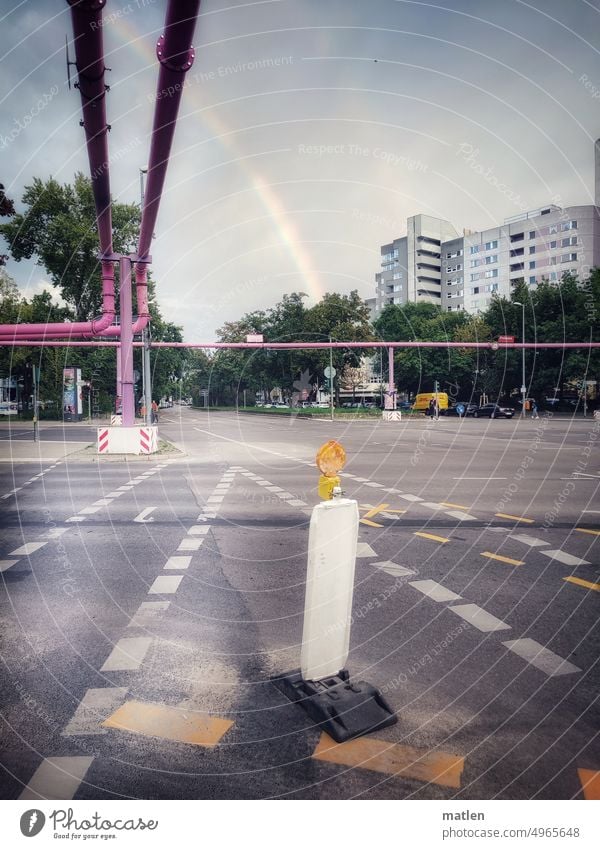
[433, 264]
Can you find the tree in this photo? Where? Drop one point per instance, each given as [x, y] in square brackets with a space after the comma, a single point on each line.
[7, 207]
[58, 228]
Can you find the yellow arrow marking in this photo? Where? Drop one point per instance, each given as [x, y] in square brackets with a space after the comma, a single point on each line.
[588, 531]
[369, 522]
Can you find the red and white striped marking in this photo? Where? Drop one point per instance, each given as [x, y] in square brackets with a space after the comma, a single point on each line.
[102, 441]
[144, 441]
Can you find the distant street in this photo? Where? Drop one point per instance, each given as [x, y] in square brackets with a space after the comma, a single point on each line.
[146, 604]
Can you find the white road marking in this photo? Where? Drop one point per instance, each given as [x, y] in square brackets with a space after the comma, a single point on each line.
[527, 540]
[76, 519]
[363, 549]
[222, 486]
[102, 502]
[393, 568]
[541, 657]
[141, 517]
[408, 497]
[116, 494]
[128, 653]
[125, 488]
[190, 544]
[54, 533]
[165, 584]
[89, 510]
[6, 564]
[57, 778]
[198, 530]
[206, 515]
[296, 502]
[275, 489]
[378, 485]
[28, 548]
[433, 505]
[361, 480]
[434, 591]
[564, 557]
[147, 613]
[96, 706]
[479, 618]
[215, 499]
[285, 495]
[478, 479]
[461, 516]
[177, 562]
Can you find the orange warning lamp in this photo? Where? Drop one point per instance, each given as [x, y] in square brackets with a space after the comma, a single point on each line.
[331, 457]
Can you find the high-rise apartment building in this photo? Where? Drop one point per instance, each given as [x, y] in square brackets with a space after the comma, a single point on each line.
[432, 263]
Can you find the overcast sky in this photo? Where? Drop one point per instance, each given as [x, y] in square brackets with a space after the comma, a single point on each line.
[311, 129]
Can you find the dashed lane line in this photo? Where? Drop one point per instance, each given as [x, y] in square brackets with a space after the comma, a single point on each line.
[176, 562]
[96, 706]
[564, 557]
[128, 653]
[27, 549]
[7, 564]
[479, 618]
[541, 657]
[532, 542]
[393, 759]
[511, 561]
[57, 778]
[147, 613]
[190, 544]
[434, 591]
[165, 585]
[394, 569]
[580, 583]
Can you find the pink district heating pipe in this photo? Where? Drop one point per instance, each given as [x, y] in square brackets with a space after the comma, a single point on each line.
[86, 16]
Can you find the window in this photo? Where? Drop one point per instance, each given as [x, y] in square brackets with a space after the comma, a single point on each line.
[397, 288]
[532, 264]
[532, 234]
[397, 275]
[532, 279]
[553, 245]
[517, 237]
[493, 272]
[474, 277]
[569, 225]
[532, 249]
[475, 290]
[475, 263]
[568, 258]
[491, 246]
[570, 240]
[474, 248]
[490, 259]
[493, 287]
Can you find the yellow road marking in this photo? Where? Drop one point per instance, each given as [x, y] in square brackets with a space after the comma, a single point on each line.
[588, 531]
[393, 759]
[516, 518]
[431, 536]
[450, 504]
[587, 584]
[502, 559]
[590, 782]
[169, 723]
[373, 512]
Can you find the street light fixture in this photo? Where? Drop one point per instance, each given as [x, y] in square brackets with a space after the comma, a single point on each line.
[523, 387]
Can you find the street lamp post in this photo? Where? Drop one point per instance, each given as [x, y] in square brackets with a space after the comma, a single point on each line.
[146, 338]
[523, 387]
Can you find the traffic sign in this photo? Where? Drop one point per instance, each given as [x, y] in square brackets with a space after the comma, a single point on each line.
[506, 339]
[330, 371]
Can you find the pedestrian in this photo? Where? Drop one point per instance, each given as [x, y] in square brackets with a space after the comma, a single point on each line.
[436, 408]
[534, 410]
[154, 412]
[143, 411]
[430, 411]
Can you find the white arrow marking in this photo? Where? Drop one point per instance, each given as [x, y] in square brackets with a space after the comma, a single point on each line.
[141, 517]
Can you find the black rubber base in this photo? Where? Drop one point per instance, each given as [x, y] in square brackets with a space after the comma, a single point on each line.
[343, 708]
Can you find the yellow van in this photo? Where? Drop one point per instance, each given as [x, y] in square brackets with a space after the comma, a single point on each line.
[422, 401]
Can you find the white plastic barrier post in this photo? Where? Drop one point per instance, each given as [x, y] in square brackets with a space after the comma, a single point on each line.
[329, 588]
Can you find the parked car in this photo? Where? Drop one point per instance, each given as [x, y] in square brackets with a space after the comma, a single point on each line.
[281, 406]
[494, 411]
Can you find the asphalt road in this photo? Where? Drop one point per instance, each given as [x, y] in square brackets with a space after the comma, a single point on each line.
[146, 605]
